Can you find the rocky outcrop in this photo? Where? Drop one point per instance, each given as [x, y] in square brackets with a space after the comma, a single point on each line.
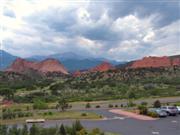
[156, 62]
[46, 66]
[105, 66]
[176, 61]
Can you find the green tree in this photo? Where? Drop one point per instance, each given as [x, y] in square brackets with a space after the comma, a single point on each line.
[24, 130]
[88, 105]
[39, 104]
[143, 109]
[62, 130]
[157, 104]
[77, 125]
[14, 130]
[8, 93]
[131, 95]
[34, 130]
[62, 104]
[3, 129]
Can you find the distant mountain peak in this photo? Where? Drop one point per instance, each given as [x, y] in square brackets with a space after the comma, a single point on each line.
[6, 59]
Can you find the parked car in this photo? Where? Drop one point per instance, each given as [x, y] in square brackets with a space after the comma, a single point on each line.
[159, 112]
[178, 107]
[170, 110]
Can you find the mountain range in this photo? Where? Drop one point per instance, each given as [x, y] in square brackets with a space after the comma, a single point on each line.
[70, 60]
[81, 65]
[6, 59]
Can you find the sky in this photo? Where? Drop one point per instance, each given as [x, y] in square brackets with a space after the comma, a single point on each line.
[120, 30]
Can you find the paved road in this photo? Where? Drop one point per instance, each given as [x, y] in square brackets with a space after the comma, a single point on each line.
[105, 104]
[127, 126]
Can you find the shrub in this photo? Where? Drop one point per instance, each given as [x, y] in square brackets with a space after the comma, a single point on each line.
[98, 106]
[131, 104]
[116, 106]
[83, 114]
[50, 113]
[157, 104]
[152, 114]
[143, 109]
[144, 103]
[88, 105]
[27, 108]
[20, 114]
[39, 104]
[110, 106]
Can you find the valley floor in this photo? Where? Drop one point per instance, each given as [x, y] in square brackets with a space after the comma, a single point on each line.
[124, 125]
[101, 117]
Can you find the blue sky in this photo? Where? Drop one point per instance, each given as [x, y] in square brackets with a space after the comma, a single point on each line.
[118, 29]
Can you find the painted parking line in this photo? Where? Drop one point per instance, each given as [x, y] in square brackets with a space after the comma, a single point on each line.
[174, 121]
[155, 133]
[115, 118]
[119, 118]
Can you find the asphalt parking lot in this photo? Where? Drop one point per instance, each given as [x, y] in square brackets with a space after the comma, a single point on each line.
[127, 126]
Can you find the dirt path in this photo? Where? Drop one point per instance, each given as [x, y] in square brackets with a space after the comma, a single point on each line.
[132, 115]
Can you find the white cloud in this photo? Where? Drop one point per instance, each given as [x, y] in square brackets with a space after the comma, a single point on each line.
[133, 26]
[149, 37]
[42, 28]
[93, 47]
[167, 41]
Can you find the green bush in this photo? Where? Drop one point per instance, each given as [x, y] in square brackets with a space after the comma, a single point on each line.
[152, 114]
[116, 106]
[88, 105]
[143, 109]
[157, 104]
[39, 104]
[83, 114]
[98, 106]
[110, 106]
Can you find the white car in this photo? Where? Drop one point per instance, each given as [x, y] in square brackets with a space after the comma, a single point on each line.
[170, 110]
[178, 107]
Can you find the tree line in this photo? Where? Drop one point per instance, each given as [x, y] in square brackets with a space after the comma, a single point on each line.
[75, 129]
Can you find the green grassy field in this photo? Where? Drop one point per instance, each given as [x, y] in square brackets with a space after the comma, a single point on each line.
[54, 116]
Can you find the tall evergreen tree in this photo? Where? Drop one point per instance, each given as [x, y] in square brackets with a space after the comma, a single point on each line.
[24, 130]
[62, 130]
[78, 125]
[14, 130]
[3, 130]
[34, 130]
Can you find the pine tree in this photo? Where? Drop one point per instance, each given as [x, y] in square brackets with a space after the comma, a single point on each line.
[34, 130]
[62, 130]
[3, 129]
[78, 125]
[14, 130]
[24, 130]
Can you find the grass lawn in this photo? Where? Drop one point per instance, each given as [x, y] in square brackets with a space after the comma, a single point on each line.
[107, 133]
[54, 116]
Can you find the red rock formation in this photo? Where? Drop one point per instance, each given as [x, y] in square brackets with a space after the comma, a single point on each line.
[52, 65]
[102, 67]
[176, 62]
[105, 66]
[48, 65]
[156, 62]
[77, 73]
